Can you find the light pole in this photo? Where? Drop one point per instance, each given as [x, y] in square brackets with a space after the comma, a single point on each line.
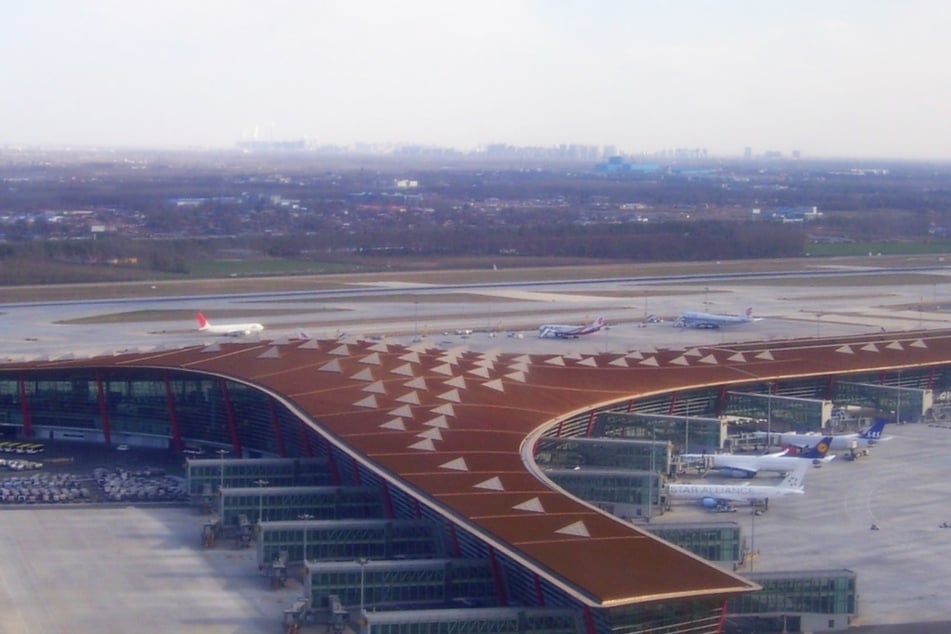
[687, 428]
[221, 462]
[752, 538]
[898, 401]
[305, 517]
[650, 478]
[363, 562]
[261, 484]
[769, 414]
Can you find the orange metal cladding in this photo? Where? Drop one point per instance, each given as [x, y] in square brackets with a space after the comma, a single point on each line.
[451, 426]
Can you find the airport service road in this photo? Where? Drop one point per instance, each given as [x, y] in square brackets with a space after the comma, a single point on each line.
[902, 488]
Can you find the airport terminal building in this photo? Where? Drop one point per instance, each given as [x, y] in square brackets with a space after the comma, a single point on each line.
[433, 481]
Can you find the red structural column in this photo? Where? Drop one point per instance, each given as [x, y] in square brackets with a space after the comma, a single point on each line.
[25, 408]
[103, 410]
[722, 617]
[229, 413]
[589, 620]
[387, 500]
[830, 387]
[332, 462]
[305, 439]
[454, 541]
[497, 575]
[720, 400]
[172, 415]
[539, 596]
[276, 427]
[673, 403]
[587, 431]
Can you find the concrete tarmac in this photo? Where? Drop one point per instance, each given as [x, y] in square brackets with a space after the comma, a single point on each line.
[123, 569]
[901, 488]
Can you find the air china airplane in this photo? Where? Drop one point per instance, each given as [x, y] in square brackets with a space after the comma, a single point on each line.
[561, 331]
[230, 330]
[713, 320]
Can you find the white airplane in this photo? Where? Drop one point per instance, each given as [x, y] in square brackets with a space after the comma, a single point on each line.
[712, 320]
[231, 330]
[747, 466]
[859, 440]
[723, 495]
[561, 331]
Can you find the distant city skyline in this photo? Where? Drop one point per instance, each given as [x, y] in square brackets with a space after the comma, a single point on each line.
[846, 79]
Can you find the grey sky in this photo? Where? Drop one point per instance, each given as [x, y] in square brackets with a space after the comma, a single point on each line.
[848, 78]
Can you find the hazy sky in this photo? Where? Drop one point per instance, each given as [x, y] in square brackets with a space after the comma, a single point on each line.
[830, 78]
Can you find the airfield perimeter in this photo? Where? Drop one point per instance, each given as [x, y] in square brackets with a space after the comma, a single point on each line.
[124, 568]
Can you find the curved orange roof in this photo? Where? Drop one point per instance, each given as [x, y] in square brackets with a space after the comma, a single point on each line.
[453, 426]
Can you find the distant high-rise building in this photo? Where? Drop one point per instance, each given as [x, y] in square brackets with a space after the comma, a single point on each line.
[747, 153]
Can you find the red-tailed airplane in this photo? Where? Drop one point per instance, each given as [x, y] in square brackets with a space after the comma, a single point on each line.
[562, 331]
[231, 330]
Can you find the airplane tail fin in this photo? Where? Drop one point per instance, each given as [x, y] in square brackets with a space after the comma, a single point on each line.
[598, 323]
[874, 431]
[819, 450]
[202, 322]
[748, 312]
[795, 478]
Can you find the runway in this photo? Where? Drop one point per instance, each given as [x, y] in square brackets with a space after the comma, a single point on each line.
[898, 487]
[502, 316]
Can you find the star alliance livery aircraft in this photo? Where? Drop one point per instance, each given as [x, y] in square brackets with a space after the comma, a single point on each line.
[715, 496]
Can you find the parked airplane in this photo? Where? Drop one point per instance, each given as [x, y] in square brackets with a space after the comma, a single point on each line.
[712, 320]
[565, 332]
[747, 466]
[723, 495]
[859, 440]
[231, 330]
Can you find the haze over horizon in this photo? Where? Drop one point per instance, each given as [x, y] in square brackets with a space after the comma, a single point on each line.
[859, 79]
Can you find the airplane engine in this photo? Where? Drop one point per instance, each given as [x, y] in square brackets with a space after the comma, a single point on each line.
[709, 503]
[737, 473]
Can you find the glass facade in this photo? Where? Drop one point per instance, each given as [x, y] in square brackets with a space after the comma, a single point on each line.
[785, 413]
[349, 540]
[816, 591]
[398, 584]
[206, 476]
[166, 408]
[699, 434]
[714, 541]
[274, 504]
[179, 407]
[626, 494]
[464, 621]
[603, 452]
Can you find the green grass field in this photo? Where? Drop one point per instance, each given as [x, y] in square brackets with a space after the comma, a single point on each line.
[879, 248]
